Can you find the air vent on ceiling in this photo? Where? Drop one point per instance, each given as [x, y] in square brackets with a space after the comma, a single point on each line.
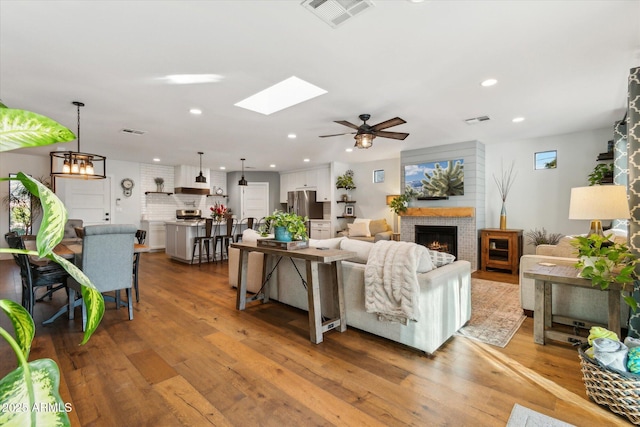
[475, 120]
[133, 131]
[336, 12]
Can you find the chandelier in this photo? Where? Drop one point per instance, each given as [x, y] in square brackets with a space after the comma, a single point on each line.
[76, 164]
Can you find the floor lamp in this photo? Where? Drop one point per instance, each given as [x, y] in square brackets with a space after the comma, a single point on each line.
[599, 202]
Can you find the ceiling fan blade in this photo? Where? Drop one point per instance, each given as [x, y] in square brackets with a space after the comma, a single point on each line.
[388, 123]
[392, 135]
[338, 134]
[347, 124]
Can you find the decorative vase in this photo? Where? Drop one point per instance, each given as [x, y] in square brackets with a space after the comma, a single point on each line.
[282, 234]
[503, 218]
[159, 187]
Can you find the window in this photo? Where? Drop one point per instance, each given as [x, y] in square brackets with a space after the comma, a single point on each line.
[378, 176]
[19, 200]
[546, 160]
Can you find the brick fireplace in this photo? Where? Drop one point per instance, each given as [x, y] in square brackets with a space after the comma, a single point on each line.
[461, 217]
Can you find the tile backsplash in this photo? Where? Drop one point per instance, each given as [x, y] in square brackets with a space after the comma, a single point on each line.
[160, 207]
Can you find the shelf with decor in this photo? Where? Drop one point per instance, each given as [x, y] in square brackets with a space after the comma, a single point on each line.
[346, 217]
[217, 195]
[157, 192]
[346, 201]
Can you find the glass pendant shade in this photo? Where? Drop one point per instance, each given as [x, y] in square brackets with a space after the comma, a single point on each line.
[364, 140]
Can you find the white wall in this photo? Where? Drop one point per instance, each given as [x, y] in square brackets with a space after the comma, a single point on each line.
[540, 198]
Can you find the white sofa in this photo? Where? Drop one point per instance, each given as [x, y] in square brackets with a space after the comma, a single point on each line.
[445, 295]
[568, 301]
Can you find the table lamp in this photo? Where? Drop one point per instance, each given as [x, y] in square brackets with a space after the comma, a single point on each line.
[599, 202]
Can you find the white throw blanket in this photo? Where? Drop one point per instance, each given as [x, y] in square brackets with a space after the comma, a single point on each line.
[391, 281]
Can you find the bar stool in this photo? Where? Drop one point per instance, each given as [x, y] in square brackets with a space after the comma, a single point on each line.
[202, 242]
[249, 222]
[141, 236]
[225, 239]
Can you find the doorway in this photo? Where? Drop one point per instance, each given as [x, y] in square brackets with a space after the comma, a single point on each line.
[254, 200]
[86, 199]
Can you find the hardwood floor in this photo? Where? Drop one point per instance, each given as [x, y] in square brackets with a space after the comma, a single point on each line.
[189, 358]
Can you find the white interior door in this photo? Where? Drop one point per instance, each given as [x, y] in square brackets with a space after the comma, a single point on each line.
[254, 200]
[87, 200]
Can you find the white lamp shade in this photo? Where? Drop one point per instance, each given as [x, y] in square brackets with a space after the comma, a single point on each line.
[599, 202]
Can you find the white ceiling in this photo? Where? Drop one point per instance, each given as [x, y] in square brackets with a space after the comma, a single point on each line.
[563, 65]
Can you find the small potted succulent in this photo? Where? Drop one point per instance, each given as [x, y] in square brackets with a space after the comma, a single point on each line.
[286, 226]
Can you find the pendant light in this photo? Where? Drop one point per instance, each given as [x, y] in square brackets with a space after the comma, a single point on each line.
[76, 164]
[243, 182]
[201, 178]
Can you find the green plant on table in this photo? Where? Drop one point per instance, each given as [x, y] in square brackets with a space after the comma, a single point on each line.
[33, 385]
[294, 223]
[539, 237]
[605, 263]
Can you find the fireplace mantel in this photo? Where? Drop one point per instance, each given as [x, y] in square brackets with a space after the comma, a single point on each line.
[455, 212]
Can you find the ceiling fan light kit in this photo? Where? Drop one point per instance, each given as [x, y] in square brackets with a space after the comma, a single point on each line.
[365, 134]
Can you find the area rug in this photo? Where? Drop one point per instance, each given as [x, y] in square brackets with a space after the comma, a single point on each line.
[495, 312]
[521, 417]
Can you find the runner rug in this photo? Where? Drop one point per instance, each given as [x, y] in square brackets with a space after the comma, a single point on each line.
[495, 312]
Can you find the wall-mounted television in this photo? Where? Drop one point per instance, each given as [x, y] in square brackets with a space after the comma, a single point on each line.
[435, 180]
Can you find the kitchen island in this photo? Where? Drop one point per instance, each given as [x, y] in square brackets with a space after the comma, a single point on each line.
[180, 235]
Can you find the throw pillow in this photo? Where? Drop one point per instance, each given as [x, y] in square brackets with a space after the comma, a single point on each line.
[441, 258]
[377, 226]
[359, 229]
[424, 260]
[361, 249]
[366, 222]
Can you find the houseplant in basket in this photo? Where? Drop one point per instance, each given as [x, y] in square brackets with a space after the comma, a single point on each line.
[286, 226]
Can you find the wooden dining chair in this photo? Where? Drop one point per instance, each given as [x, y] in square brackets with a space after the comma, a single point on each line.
[107, 251]
[35, 274]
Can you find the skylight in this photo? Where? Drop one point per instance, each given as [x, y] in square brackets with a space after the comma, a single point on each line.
[282, 95]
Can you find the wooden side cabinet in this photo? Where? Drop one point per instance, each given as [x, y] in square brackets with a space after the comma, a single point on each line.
[500, 249]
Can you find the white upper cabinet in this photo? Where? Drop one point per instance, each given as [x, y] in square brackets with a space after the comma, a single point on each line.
[317, 179]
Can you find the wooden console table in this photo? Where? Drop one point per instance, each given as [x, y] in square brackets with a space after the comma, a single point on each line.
[561, 275]
[311, 257]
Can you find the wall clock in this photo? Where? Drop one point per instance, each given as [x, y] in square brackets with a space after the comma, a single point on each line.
[219, 191]
[127, 185]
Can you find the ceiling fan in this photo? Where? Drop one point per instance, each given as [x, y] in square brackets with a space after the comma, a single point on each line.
[366, 133]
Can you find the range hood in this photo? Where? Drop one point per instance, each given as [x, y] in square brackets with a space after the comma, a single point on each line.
[185, 180]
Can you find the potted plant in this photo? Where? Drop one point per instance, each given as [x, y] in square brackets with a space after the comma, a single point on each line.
[346, 181]
[605, 262]
[159, 184]
[399, 204]
[539, 237]
[36, 382]
[286, 226]
[603, 172]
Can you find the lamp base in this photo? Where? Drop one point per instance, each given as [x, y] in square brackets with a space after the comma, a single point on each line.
[596, 228]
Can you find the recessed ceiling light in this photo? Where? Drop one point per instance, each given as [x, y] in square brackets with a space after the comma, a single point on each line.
[156, 159]
[489, 82]
[222, 168]
[518, 119]
[195, 111]
[189, 79]
[272, 166]
[292, 136]
[282, 95]
[348, 150]
[307, 160]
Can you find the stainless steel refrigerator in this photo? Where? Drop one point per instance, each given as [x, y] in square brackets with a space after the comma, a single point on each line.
[304, 203]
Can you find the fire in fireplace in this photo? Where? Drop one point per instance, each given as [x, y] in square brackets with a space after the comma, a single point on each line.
[442, 238]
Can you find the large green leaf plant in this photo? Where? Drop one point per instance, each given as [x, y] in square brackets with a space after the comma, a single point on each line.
[29, 394]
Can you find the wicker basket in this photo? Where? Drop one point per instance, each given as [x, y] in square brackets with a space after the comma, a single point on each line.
[618, 391]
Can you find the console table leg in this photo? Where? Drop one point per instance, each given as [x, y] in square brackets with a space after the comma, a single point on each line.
[241, 296]
[539, 313]
[315, 309]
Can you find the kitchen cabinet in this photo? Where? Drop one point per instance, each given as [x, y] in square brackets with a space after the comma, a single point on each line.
[180, 240]
[318, 179]
[156, 234]
[320, 229]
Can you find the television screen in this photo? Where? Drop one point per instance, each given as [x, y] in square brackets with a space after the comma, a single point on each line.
[435, 180]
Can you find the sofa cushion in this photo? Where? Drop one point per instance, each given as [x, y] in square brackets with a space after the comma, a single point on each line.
[378, 226]
[365, 221]
[250, 236]
[425, 263]
[361, 249]
[441, 258]
[359, 229]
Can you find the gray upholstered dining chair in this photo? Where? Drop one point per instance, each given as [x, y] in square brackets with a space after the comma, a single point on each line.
[107, 251]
